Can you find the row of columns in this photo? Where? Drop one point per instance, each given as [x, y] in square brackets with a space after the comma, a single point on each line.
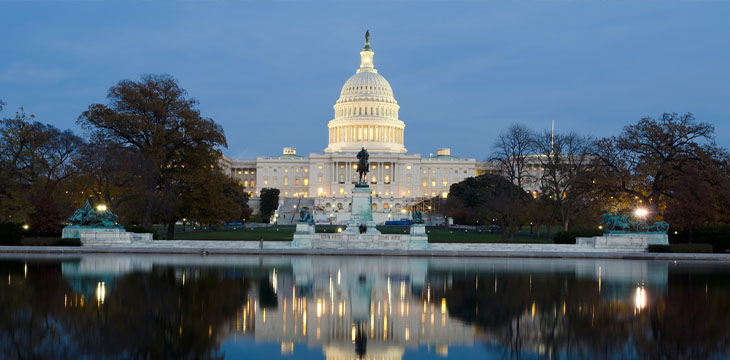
[350, 172]
[364, 111]
[388, 134]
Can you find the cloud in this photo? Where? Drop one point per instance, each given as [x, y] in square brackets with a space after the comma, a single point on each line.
[19, 72]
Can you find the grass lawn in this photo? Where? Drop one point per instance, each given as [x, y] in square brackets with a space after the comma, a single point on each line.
[285, 233]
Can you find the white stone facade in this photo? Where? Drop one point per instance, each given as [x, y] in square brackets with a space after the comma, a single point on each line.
[365, 115]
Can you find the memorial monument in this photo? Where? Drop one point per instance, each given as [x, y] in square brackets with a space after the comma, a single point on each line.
[623, 232]
[361, 218]
[361, 231]
[98, 227]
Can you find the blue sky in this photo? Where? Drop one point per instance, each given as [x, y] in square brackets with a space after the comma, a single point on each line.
[269, 72]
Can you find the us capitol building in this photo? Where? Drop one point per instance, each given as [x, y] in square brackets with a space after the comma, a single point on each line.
[365, 116]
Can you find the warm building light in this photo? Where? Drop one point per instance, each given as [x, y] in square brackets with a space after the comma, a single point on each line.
[641, 212]
[101, 207]
[640, 298]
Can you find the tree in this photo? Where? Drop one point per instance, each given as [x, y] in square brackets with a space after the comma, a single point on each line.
[511, 150]
[565, 159]
[643, 163]
[37, 162]
[156, 119]
[489, 197]
[269, 203]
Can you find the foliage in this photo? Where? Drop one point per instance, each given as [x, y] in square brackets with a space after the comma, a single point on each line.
[67, 242]
[36, 163]
[718, 236]
[10, 233]
[176, 146]
[489, 197]
[641, 166]
[681, 248]
[568, 237]
[269, 203]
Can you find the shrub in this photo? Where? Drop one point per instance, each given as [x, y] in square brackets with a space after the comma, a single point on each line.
[659, 249]
[681, 248]
[717, 236]
[67, 242]
[10, 234]
[568, 237]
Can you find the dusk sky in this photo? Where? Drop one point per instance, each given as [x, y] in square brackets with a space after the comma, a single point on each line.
[270, 72]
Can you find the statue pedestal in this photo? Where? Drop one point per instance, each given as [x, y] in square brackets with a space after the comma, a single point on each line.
[303, 236]
[418, 239]
[362, 211]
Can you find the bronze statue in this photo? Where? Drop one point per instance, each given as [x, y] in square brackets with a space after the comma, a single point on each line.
[363, 167]
[367, 35]
[418, 217]
[305, 216]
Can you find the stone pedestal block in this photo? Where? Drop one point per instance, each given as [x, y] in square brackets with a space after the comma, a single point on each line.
[362, 211]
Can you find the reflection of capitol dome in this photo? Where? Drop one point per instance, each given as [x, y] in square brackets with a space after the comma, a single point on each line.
[366, 114]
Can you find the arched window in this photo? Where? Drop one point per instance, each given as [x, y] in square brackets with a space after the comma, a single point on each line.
[375, 207]
[286, 180]
[386, 206]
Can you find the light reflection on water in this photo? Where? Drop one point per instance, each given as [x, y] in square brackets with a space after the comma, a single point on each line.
[360, 307]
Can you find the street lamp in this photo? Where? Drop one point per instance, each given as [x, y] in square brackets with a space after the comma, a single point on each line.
[641, 212]
[101, 207]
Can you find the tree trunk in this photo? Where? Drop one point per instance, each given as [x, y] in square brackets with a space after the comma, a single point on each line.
[171, 229]
[147, 214]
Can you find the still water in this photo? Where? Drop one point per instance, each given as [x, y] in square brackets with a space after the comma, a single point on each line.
[268, 307]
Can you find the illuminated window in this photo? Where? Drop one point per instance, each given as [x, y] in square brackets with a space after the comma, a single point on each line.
[296, 181]
[266, 181]
[319, 166]
[252, 183]
[286, 170]
[245, 183]
[239, 172]
[320, 191]
[445, 182]
[342, 191]
[433, 171]
[245, 172]
[297, 170]
[286, 180]
[387, 167]
[306, 181]
[408, 167]
[433, 182]
[386, 206]
[342, 178]
[306, 170]
[444, 195]
[374, 180]
[425, 182]
[319, 178]
[387, 179]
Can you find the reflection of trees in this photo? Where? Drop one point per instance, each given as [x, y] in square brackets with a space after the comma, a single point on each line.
[26, 330]
[571, 318]
[154, 316]
[146, 315]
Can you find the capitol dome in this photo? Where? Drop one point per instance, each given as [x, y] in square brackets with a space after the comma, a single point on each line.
[366, 114]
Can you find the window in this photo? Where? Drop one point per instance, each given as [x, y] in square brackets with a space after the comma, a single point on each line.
[266, 181]
[408, 167]
[425, 182]
[306, 170]
[433, 182]
[409, 178]
[342, 178]
[319, 166]
[245, 183]
[286, 170]
[306, 181]
[319, 178]
[244, 171]
[387, 179]
[374, 180]
[387, 167]
[286, 180]
[433, 171]
[239, 171]
[252, 183]
[297, 170]
[342, 191]
[386, 206]
[296, 181]
[445, 181]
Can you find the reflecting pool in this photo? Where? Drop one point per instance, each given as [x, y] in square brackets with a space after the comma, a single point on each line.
[316, 307]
